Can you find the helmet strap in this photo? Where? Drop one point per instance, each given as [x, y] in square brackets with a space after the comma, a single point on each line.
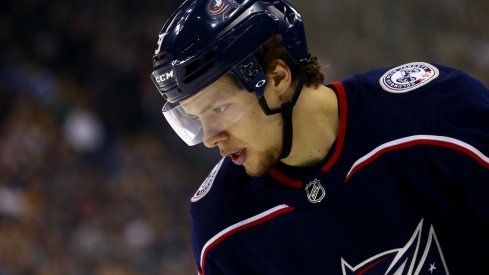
[286, 111]
[288, 129]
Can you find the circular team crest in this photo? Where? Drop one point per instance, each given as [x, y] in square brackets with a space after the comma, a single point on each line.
[207, 184]
[216, 7]
[408, 77]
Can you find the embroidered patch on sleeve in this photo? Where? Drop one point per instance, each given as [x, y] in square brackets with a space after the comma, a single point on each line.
[207, 184]
[408, 77]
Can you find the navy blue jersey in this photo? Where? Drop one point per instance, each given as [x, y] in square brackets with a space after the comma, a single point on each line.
[404, 189]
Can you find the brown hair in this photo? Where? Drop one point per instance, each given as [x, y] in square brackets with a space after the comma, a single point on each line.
[272, 50]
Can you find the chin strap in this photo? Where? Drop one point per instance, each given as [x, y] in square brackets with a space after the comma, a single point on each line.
[286, 111]
[252, 76]
[288, 128]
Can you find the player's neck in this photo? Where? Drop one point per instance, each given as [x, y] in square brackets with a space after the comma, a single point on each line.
[315, 123]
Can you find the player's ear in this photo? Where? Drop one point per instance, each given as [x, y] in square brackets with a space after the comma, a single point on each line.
[279, 84]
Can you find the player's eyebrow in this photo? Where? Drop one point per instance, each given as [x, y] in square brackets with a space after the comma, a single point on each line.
[212, 101]
[211, 105]
[207, 108]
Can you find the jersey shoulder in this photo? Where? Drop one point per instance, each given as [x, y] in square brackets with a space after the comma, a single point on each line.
[413, 100]
[420, 98]
[226, 197]
[418, 77]
[219, 191]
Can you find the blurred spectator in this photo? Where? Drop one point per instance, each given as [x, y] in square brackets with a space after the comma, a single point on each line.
[83, 130]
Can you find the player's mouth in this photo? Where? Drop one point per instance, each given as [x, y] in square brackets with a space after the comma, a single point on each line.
[238, 157]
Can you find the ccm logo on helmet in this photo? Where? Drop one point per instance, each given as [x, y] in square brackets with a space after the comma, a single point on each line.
[169, 75]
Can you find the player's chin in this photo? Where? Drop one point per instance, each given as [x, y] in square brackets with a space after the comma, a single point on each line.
[258, 168]
[256, 173]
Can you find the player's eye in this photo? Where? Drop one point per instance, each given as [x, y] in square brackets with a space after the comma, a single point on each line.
[220, 109]
[193, 117]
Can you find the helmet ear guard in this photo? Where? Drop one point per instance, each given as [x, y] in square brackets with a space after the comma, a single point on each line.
[251, 75]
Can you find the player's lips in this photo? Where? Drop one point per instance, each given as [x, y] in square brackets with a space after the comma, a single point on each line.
[238, 157]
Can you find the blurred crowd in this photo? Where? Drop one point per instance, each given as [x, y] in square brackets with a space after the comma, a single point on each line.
[89, 179]
[352, 37]
[92, 180]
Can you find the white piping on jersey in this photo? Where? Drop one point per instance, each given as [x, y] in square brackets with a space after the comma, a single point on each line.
[262, 217]
[345, 265]
[421, 139]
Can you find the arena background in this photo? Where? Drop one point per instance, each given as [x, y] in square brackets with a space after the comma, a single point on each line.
[92, 180]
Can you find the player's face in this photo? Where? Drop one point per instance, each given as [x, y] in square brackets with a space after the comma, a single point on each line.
[233, 120]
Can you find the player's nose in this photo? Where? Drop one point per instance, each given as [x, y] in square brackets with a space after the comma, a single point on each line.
[213, 140]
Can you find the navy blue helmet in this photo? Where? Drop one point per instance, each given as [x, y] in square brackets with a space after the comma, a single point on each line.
[205, 39]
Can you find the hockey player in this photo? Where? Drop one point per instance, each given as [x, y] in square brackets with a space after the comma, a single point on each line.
[385, 172]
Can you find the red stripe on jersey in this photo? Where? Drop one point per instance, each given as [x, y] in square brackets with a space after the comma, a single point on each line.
[283, 179]
[372, 265]
[411, 141]
[233, 229]
[340, 91]
[340, 141]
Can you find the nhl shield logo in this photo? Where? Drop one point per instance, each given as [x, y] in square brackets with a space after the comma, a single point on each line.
[315, 191]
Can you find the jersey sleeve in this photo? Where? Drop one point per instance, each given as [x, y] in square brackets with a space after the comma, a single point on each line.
[203, 210]
[214, 207]
[464, 114]
[463, 108]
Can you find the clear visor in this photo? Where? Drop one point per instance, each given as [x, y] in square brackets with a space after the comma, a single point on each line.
[210, 112]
